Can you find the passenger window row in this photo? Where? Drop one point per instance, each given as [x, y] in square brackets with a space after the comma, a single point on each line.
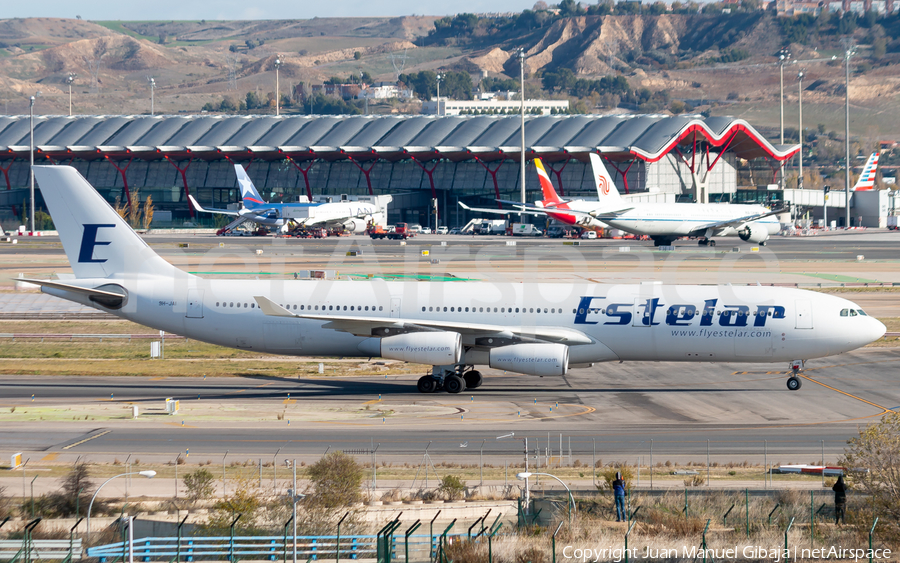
[488, 310]
[232, 304]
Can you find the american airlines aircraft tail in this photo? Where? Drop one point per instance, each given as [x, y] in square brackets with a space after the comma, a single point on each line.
[867, 177]
[533, 329]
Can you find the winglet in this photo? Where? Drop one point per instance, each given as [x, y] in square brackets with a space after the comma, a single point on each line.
[196, 205]
[270, 308]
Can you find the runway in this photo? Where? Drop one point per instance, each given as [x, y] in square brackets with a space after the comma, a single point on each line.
[619, 408]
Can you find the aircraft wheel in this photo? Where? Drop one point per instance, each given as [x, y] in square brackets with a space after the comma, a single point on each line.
[763, 243]
[712, 243]
[454, 384]
[426, 384]
[702, 242]
[793, 383]
[473, 379]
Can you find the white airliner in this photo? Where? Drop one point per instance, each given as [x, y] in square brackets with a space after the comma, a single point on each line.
[536, 329]
[353, 216]
[662, 222]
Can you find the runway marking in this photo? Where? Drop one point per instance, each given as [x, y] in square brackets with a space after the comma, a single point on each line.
[289, 401]
[257, 387]
[179, 425]
[852, 396]
[372, 402]
[50, 457]
[88, 439]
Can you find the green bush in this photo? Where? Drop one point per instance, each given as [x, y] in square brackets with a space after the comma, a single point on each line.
[452, 487]
[199, 484]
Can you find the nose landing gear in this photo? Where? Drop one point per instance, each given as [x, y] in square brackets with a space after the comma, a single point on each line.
[794, 383]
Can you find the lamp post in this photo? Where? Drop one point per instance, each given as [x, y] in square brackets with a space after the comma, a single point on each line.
[31, 166]
[783, 57]
[365, 91]
[295, 498]
[69, 80]
[848, 52]
[522, 125]
[277, 88]
[440, 76]
[526, 474]
[149, 474]
[800, 104]
[152, 90]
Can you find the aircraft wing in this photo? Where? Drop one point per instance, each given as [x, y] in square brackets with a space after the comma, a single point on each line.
[599, 213]
[502, 211]
[740, 221]
[367, 326]
[203, 210]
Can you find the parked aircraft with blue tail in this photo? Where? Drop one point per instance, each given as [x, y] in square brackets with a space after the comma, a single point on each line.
[352, 213]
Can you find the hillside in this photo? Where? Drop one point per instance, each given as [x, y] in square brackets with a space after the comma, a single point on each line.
[712, 62]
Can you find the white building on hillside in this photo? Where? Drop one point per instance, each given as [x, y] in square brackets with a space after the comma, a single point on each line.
[500, 107]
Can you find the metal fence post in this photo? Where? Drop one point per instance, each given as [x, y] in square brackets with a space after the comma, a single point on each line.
[871, 534]
[747, 503]
[337, 549]
[231, 539]
[284, 542]
[444, 540]
[553, 540]
[791, 523]
[703, 544]
[431, 535]
[773, 512]
[626, 538]
[178, 547]
[409, 532]
[490, 540]
[812, 518]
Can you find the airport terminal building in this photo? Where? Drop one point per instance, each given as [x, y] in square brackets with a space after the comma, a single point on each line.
[417, 159]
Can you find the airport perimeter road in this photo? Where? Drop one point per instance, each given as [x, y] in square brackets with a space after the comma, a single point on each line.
[618, 407]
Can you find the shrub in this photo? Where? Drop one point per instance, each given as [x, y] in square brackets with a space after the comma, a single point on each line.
[609, 475]
[452, 487]
[199, 484]
[335, 480]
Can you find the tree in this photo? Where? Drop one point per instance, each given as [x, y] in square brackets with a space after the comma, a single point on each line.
[335, 481]
[452, 487]
[199, 484]
[570, 8]
[357, 55]
[253, 101]
[877, 450]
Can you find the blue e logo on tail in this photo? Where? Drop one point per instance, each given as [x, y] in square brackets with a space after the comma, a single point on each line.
[89, 241]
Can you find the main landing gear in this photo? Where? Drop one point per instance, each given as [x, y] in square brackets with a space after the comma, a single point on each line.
[794, 383]
[452, 379]
[706, 242]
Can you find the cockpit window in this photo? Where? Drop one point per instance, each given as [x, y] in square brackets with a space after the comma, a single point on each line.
[861, 312]
[845, 312]
[853, 312]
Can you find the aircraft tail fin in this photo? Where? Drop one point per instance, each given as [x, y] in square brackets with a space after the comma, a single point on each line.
[867, 178]
[606, 188]
[550, 195]
[97, 241]
[249, 194]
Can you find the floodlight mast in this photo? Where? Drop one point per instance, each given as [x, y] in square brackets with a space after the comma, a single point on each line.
[522, 107]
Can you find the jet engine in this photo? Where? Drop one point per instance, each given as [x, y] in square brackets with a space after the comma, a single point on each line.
[753, 233]
[430, 348]
[355, 225]
[531, 359]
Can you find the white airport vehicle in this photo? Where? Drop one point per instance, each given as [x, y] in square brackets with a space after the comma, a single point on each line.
[456, 327]
[353, 214]
[662, 222]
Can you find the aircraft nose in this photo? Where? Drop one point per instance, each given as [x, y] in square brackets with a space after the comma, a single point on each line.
[876, 329]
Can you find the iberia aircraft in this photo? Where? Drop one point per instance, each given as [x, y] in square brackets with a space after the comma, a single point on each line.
[662, 222]
[456, 327]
